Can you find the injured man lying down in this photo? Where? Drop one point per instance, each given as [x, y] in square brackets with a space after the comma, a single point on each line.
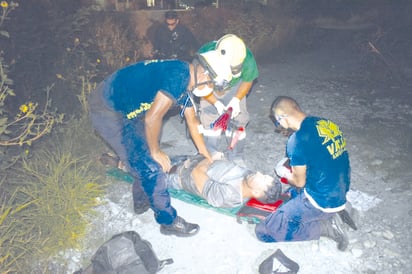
[222, 183]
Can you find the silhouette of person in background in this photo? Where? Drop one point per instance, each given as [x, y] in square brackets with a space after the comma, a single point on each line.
[173, 40]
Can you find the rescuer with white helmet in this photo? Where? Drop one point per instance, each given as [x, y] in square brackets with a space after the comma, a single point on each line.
[234, 53]
[216, 68]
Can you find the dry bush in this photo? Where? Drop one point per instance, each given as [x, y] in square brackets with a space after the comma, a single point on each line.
[14, 241]
[63, 191]
[124, 38]
[113, 44]
[47, 203]
[140, 25]
[207, 23]
[262, 30]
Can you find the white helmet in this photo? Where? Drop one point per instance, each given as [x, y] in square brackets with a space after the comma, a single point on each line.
[219, 71]
[233, 50]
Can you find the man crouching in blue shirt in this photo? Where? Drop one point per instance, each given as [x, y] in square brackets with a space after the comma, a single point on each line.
[320, 172]
[127, 110]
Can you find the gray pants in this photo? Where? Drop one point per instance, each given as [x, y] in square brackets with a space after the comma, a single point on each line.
[216, 141]
[182, 179]
[209, 114]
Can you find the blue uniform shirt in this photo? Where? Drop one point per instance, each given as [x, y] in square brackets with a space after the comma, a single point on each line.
[132, 89]
[320, 145]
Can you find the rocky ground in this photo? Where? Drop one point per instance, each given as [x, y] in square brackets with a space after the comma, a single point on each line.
[376, 119]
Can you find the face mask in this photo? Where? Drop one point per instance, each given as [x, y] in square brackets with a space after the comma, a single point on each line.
[236, 70]
[221, 84]
[206, 89]
[202, 92]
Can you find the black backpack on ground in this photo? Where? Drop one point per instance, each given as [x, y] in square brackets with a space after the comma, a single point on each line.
[278, 263]
[126, 253]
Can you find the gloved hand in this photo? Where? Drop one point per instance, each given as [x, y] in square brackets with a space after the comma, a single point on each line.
[283, 169]
[218, 155]
[234, 104]
[220, 107]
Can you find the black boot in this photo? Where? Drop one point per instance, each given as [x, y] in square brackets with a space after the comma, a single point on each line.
[333, 229]
[349, 216]
[180, 228]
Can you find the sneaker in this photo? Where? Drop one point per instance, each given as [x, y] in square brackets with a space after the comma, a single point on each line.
[142, 208]
[333, 229]
[180, 228]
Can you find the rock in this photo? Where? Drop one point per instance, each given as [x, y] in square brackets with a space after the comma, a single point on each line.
[369, 244]
[357, 252]
[387, 235]
[376, 162]
[315, 246]
[376, 233]
[391, 253]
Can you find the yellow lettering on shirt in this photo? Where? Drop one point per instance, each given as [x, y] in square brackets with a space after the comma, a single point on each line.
[332, 137]
[136, 112]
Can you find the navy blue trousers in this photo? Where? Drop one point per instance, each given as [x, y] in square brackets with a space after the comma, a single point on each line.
[295, 220]
[127, 138]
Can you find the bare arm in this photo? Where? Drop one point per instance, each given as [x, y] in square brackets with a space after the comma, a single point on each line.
[298, 177]
[153, 126]
[211, 98]
[243, 90]
[193, 123]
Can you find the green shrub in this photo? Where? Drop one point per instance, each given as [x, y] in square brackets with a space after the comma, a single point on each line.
[14, 241]
[49, 198]
[63, 192]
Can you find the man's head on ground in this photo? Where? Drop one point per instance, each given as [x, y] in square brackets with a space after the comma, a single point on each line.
[211, 65]
[233, 50]
[263, 187]
[171, 19]
[285, 112]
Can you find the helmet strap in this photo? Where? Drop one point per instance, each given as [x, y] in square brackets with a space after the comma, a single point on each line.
[196, 64]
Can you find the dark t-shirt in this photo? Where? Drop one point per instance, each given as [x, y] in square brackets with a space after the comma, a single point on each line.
[320, 145]
[132, 89]
[179, 43]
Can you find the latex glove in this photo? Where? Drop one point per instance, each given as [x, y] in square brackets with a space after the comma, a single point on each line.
[234, 104]
[220, 107]
[283, 170]
[218, 156]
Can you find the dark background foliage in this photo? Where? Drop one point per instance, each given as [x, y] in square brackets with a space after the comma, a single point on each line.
[56, 42]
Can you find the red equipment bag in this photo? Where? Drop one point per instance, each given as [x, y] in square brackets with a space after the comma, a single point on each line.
[255, 211]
